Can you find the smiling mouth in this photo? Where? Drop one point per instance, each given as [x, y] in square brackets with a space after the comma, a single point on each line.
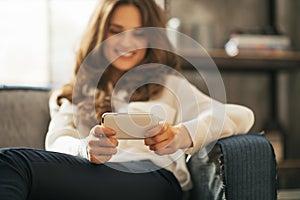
[125, 54]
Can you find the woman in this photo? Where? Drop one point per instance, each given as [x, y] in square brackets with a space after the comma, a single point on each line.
[101, 166]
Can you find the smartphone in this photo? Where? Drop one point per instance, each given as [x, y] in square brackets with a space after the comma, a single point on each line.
[130, 125]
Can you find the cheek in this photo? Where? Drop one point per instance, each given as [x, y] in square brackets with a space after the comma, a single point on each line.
[142, 44]
[142, 47]
[142, 53]
[108, 50]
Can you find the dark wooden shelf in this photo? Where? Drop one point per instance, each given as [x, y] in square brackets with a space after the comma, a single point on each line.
[246, 60]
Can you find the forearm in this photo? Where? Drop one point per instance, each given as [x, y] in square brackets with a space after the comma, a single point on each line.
[210, 126]
[184, 137]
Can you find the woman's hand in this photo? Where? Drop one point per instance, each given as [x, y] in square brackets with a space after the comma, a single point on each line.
[166, 139]
[102, 144]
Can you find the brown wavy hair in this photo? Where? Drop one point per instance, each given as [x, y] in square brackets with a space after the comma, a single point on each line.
[78, 91]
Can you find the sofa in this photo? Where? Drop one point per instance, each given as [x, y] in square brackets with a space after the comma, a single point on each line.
[238, 167]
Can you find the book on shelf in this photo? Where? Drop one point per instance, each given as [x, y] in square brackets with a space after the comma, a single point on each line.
[257, 42]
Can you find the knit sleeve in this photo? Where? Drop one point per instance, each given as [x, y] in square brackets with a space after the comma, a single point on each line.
[62, 135]
[207, 119]
[209, 126]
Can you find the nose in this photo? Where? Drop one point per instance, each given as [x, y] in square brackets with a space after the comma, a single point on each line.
[126, 39]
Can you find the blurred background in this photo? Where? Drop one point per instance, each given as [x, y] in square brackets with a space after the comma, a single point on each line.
[38, 39]
[254, 43]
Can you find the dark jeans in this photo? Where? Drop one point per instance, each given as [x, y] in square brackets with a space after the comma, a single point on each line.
[42, 175]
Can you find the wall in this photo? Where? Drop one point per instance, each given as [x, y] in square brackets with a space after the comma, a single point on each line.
[223, 17]
[218, 14]
[226, 16]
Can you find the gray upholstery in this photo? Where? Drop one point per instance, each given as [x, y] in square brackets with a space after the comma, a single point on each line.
[24, 116]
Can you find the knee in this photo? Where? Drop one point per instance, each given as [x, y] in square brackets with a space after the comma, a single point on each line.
[14, 175]
[9, 154]
[14, 157]
[6, 154]
[15, 161]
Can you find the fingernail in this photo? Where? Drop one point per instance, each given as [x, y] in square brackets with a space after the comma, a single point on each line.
[113, 131]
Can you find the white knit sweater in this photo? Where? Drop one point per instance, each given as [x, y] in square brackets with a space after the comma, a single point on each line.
[180, 103]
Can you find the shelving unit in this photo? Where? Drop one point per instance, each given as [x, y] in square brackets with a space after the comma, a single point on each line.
[269, 63]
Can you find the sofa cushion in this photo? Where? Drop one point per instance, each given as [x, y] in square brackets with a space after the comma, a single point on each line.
[24, 116]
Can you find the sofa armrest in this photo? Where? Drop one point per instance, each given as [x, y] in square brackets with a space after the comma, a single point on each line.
[238, 167]
[24, 116]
